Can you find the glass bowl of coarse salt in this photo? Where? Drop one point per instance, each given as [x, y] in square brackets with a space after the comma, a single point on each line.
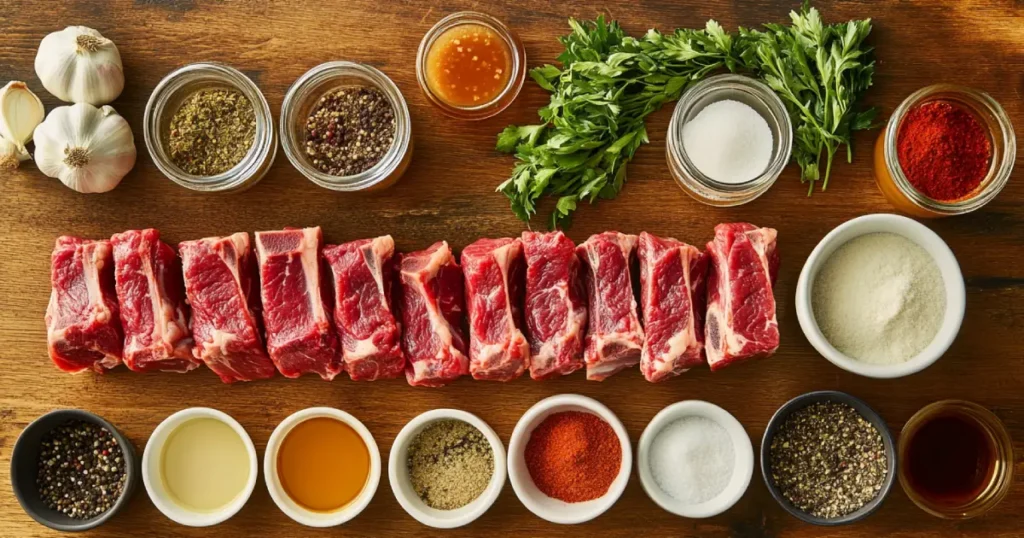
[881, 296]
[695, 459]
[729, 139]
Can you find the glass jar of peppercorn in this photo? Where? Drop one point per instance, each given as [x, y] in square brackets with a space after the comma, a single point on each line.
[946, 150]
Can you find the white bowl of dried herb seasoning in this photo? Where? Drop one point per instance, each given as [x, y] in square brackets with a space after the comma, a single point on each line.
[569, 459]
[695, 459]
[208, 128]
[828, 458]
[881, 296]
[322, 466]
[346, 127]
[72, 471]
[199, 467]
[447, 468]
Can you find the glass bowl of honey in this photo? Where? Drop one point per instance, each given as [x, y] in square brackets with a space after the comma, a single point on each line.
[955, 459]
[470, 65]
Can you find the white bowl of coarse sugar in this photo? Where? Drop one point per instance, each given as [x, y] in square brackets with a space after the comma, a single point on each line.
[695, 459]
[881, 296]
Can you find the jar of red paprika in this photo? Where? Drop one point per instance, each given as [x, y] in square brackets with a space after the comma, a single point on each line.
[947, 150]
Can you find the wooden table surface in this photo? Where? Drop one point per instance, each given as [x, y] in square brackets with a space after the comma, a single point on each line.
[448, 194]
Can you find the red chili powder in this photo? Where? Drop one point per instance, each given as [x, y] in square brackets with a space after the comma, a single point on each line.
[573, 456]
[944, 150]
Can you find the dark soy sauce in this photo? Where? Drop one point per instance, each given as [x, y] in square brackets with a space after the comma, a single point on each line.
[950, 459]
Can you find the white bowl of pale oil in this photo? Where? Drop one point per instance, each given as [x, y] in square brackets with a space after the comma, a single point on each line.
[199, 467]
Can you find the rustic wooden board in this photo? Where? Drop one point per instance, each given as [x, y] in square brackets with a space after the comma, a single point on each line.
[447, 194]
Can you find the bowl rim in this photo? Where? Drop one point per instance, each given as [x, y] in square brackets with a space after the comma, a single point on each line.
[743, 450]
[936, 248]
[154, 446]
[127, 450]
[292, 509]
[517, 446]
[413, 505]
[869, 414]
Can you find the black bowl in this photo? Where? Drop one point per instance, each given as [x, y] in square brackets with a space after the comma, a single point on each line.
[865, 411]
[25, 469]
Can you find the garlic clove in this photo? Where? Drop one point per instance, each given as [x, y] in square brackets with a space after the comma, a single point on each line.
[89, 149]
[11, 154]
[20, 112]
[79, 65]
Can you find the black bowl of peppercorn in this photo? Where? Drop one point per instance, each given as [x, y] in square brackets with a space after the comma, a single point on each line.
[828, 458]
[72, 470]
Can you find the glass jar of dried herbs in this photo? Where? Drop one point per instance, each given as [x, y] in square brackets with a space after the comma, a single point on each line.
[212, 131]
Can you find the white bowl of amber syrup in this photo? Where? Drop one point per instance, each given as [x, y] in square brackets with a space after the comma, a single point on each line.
[917, 233]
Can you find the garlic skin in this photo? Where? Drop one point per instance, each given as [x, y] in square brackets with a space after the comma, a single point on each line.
[11, 154]
[79, 65]
[89, 149]
[20, 112]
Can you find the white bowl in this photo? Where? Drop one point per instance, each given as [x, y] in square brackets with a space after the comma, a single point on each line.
[743, 467]
[536, 501]
[398, 472]
[926, 239]
[299, 513]
[151, 472]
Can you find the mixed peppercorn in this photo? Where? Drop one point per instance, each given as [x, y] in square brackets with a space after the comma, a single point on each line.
[350, 130]
[81, 470]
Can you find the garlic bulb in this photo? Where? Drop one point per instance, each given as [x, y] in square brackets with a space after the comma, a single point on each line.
[79, 65]
[11, 155]
[20, 112]
[89, 149]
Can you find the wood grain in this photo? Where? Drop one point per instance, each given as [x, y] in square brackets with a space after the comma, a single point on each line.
[448, 194]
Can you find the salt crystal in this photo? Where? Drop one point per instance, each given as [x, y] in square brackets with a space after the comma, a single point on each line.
[692, 459]
[729, 142]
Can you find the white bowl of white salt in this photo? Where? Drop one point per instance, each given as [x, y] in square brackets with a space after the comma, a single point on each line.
[881, 296]
[695, 459]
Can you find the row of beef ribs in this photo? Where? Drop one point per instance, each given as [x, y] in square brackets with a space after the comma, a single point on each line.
[289, 304]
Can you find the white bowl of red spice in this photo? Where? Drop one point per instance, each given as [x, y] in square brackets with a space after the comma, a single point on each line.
[946, 150]
[886, 288]
[569, 459]
[695, 459]
[447, 467]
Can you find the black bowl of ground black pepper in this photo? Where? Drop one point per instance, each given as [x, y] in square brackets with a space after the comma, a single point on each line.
[72, 470]
[828, 458]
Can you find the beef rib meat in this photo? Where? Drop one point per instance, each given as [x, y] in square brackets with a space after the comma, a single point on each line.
[555, 305]
[432, 310]
[614, 335]
[741, 322]
[300, 338]
[83, 329]
[363, 273]
[220, 275]
[672, 297]
[493, 270]
[151, 296]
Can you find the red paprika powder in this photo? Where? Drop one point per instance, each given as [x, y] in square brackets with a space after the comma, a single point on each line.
[573, 456]
[944, 150]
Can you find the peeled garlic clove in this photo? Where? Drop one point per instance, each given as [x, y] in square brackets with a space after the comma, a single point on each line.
[20, 112]
[89, 149]
[11, 155]
[79, 65]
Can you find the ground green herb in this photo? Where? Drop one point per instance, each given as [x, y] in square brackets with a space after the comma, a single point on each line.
[81, 470]
[350, 130]
[450, 464]
[212, 131]
[828, 460]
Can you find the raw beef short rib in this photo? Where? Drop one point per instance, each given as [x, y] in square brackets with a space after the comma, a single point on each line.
[363, 273]
[493, 270]
[555, 305]
[300, 338]
[614, 335]
[741, 321]
[83, 329]
[151, 296]
[432, 310]
[672, 296]
[219, 283]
